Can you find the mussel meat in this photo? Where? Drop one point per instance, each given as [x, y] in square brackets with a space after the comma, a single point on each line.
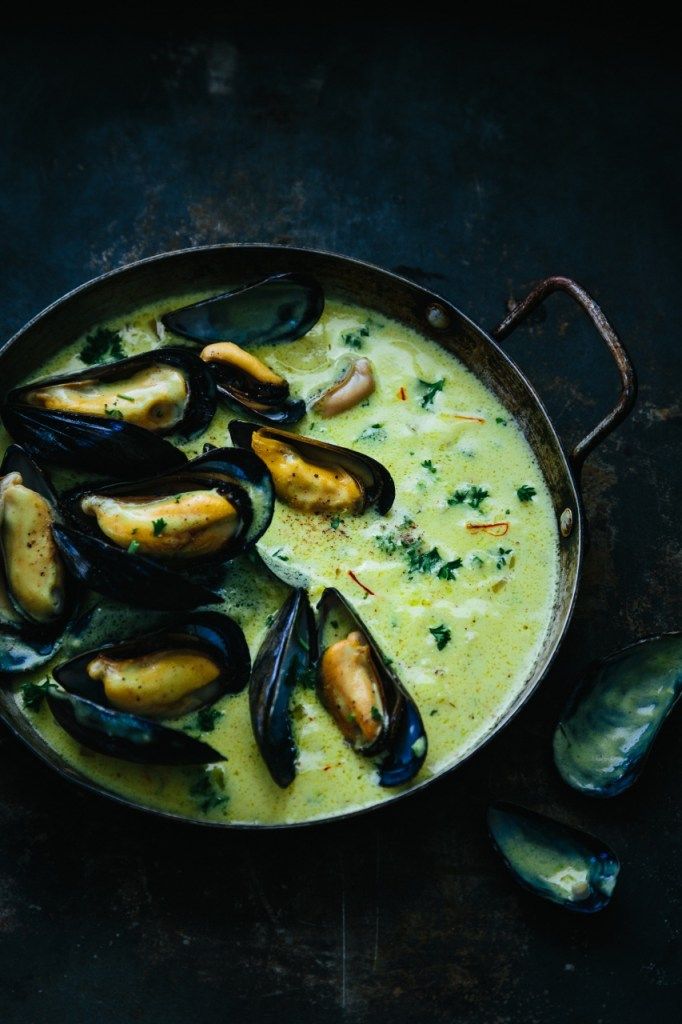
[355, 384]
[364, 696]
[115, 698]
[131, 540]
[285, 655]
[559, 863]
[611, 721]
[114, 418]
[249, 385]
[36, 593]
[313, 476]
[281, 307]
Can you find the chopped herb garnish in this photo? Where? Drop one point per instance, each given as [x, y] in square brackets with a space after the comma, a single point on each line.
[427, 464]
[422, 561]
[376, 714]
[126, 398]
[442, 635]
[115, 414]
[447, 570]
[526, 492]
[32, 694]
[433, 711]
[354, 339]
[335, 522]
[499, 419]
[207, 718]
[386, 542]
[474, 496]
[205, 791]
[102, 346]
[431, 391]
[278, 554]
[375, 432]
[502, 557]
[159, 525]
[133, 547]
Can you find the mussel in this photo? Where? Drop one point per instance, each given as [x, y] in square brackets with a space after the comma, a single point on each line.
[314, 476]
[37, 596]
[114, 418]
[559, 863]
[114, 699]
[131, 541]
[364, 696]
[353, 385]
[612, 719]
[281, 307]
[285, 656]
[247, 384]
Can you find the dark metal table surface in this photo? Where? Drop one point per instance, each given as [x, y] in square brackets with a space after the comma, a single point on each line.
[476, 161]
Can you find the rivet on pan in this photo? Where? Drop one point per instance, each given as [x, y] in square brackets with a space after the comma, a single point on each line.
[437, 317]
[566, 522]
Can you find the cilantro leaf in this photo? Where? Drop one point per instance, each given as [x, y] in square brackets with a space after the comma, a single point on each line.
[442, 635]
[432, 389]
[159, 525]
[526, 492]
[104, 345]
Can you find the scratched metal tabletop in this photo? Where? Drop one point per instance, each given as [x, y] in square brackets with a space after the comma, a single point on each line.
[475, 162]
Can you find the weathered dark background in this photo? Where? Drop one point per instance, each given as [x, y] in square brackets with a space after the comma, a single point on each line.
[477, 161]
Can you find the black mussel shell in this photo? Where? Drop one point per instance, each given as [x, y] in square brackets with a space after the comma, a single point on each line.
[131, 579]
[127, 737]
[287, 653]
[376, 481]
[551, 860]
[282, 307]
[24, 644]
[611, 721]
[83, 711]
[106, 444]
[402, 739]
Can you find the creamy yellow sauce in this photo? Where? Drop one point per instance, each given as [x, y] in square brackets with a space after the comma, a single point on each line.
[495, 610]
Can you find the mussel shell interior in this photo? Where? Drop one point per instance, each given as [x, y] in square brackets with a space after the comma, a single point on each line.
[282, 307]
[552, 860]
[211, 633]
[287, 650]
[611, 721]
[404, 740]
[376, 482]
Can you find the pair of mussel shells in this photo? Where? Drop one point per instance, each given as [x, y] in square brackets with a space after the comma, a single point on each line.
[354, 680]
[117, 418]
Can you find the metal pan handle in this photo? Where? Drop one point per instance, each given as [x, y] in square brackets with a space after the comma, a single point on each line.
[628, 379]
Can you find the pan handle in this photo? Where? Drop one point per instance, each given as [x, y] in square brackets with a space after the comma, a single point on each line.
[628, 379]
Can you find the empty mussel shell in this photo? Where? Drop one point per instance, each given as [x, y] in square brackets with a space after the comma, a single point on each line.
[37, 594]
[281, 307]
[609, 725]
[365, 697]
[285, 655]
[314, 476]
[113, 418]
[114, 698]
[249, 386]
[134, 541]
[558, 863]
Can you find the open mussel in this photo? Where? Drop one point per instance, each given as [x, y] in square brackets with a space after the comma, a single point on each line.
[364, 696]
[37, 595]
[559, 863]
[611, 721]
[133, 541]
[114, 418]
[248, 385]
[281, 307]
[314, 476]
[285, 656]
[116, 698]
